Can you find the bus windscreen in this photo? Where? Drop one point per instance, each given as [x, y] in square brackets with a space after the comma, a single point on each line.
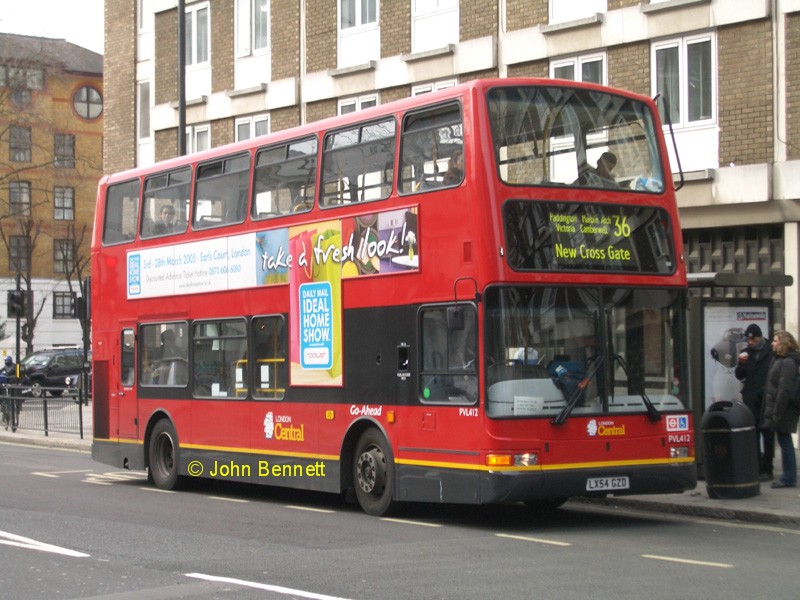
[574, 137]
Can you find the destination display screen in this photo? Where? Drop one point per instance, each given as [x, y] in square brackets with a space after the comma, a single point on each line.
[582, 236]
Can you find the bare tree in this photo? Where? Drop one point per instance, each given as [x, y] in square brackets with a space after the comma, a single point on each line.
[39, 160]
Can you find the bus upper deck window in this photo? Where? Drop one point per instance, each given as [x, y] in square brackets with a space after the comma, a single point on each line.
[221, 192]
[358, 164]
[166, 203]
[122, 212]
[284, 179]
[432, 149]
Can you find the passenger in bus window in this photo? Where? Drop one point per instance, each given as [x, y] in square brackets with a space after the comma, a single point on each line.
[166, 221]
[600, 176]
[455, 169]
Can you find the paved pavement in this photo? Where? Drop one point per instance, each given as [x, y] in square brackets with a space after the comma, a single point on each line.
[771, 506]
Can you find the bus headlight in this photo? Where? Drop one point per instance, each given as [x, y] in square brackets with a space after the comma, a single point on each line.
[679, 452]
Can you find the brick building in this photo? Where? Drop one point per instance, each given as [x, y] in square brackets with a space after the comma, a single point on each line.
[51, 147]
[730, 68]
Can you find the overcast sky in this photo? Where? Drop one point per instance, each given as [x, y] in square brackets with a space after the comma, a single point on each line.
[77, 21]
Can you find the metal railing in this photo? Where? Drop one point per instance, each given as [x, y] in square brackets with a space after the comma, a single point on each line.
[54, 411]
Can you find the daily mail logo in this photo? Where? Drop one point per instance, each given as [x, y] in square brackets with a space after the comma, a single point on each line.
[678, 423]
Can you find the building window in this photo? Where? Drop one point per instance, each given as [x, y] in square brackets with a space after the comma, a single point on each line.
[197, 34]
[685, 77]
[88, 102]
[252, 26]
[590, 68]
[64, 150]
[356, 13]
[251, 127]
[19, 253]
[350, 105]
[63, 255]
[143, 111]
[435, 86]
[20, 78]
[19, 198]
[19, 144]
[198, 138]
[63, 305]
[359, 39]
[562, 11]
[434, 24]
[63, 204]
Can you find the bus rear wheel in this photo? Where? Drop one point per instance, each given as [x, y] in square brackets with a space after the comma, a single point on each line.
[163, 455]
[373, 473]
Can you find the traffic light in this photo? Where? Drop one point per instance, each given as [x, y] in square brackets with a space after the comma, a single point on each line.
[16, 304]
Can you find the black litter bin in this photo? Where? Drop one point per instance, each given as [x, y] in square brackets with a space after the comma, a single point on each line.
[730, 451]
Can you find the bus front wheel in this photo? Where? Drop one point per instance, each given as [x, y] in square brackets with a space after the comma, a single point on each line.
[163, 455]
[373, 473]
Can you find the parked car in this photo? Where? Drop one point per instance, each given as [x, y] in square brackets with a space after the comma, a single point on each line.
[56, 372]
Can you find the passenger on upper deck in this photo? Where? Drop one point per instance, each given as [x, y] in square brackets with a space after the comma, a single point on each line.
[166, 224]
[601, 175]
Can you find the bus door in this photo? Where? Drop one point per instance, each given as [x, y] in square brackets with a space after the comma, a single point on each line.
[448, 426]
[123, 386]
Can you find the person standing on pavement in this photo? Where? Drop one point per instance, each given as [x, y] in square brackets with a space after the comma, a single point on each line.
[781, 408]
[752, 368]
[11, 406]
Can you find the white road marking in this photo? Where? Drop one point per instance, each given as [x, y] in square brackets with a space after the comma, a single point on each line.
[155, 489]
[407, 522]
[56, 474]
[229, 499]
[11, 539]
[310, 509]
[686, 561]
[265, 586]
[526, 538]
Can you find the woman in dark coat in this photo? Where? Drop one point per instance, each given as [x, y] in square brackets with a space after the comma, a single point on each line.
[781, 409]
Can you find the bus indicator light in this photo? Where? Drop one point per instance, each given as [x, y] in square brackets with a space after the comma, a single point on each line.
[390, 416]
[329, 415]
[499, 460]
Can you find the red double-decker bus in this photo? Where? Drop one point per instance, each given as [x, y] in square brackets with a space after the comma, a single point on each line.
[473, 296]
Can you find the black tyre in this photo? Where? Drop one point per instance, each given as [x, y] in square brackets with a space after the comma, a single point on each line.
[373, 473]
[164, 456]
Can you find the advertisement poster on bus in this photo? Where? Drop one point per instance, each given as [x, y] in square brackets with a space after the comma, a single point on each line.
[313, 258]
[723, 339]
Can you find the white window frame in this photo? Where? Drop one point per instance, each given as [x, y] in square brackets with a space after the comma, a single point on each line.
[577, 62]
[440, 15]
[358, 103]
[192, 48]
[245, 28]
[360, 25]
[563, 11]
[433, 86]
[253, 123]
[193, 132]
[683, 44]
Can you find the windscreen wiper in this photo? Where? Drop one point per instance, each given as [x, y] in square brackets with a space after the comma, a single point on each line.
[576, 394]
[652, 411]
